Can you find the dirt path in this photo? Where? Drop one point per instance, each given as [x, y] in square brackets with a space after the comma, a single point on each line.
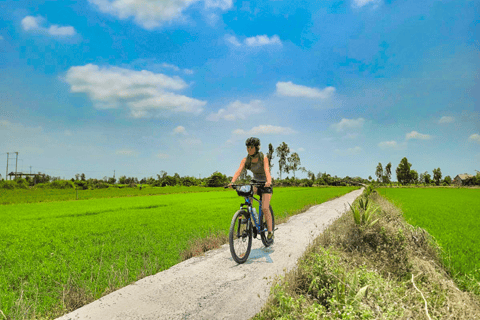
[214, 286]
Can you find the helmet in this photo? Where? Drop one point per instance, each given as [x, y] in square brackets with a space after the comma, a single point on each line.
[253, 142]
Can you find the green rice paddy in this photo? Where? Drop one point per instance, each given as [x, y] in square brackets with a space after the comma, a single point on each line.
[452, 216]
[56, 256]
[46, 195]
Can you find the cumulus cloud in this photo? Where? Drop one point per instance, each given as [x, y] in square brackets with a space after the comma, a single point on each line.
[237, 110]
[127, 152]
[265, 129]
[145, 93]
[30, 23]
[475, 138]
[346, 124]
[416, 135]
[180, 130]
[446, 120]
[362, 3]
[256, 41]
[263, 40]
[290, 89]
[152, 13]
[349, 152]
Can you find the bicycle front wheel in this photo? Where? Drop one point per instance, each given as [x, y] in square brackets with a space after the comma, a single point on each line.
[263, 235]
[240, 236]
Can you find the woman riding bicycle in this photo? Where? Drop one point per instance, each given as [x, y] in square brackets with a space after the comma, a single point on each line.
[258, 164]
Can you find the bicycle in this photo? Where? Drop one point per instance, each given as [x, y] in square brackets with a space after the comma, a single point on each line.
[242, 229]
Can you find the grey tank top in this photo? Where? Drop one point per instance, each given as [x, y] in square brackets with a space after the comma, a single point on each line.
[258, 171]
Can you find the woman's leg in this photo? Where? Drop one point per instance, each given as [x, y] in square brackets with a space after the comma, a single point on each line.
[266, 197]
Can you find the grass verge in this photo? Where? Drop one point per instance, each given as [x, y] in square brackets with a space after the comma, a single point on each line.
[383, 270]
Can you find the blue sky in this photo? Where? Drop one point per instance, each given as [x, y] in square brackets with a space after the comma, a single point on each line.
[142, 86]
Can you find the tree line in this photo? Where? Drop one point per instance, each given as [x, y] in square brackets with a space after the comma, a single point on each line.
[406, 175]
[288, 163]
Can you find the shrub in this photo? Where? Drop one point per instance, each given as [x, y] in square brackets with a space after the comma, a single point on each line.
[62, 184]
[5, 184]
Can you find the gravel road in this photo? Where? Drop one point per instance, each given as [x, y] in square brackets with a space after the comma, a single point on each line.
[214, 286]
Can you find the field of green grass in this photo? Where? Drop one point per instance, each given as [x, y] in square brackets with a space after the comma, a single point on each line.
[58, 256]
[452, 216]
[46, 195]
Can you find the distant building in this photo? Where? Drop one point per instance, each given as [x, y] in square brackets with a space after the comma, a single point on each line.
[460, 178]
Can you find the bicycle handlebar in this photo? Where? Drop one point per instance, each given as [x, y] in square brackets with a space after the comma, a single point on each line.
[256, 184]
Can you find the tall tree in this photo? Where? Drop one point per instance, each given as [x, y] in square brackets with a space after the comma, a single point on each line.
[427, 177]
[388, 173]
[414, 176]
[403, 171]
[270, 156]
[282, 152]
[437, 175]
[379, 172]
[293, 162]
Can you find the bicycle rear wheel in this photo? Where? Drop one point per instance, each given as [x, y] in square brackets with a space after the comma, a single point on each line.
[240, 236]
[263, 235]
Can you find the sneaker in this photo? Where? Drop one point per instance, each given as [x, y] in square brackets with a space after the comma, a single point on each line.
[270, 236]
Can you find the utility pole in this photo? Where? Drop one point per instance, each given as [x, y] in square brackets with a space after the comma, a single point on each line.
[16, 162]
[6, 175]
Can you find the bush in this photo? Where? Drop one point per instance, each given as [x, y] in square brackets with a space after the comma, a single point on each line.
[5, 184]
[62, 184]
[82, 185]
[217, 180]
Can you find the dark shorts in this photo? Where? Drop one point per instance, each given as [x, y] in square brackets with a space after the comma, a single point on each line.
[262, 190]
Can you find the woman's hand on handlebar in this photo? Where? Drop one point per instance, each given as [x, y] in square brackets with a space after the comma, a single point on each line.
[267, 184]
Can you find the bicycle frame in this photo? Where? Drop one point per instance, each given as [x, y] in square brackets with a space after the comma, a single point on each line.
[249, 205]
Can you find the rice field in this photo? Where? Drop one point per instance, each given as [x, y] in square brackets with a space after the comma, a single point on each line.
[58, 256]
[45, 195]
[452, 216]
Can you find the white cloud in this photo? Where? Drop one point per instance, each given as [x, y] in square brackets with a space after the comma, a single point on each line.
[263, 40]
[289, 89]
[446, 120]
[475, 138]
[152, 13]
[180, 130]
[127, 152]
[143, 92]
[175, 68]
[237, 110]
[416, 135]
[256, 41]
[30, 23]
[388, 144]
[265, 129]
[55, 30]
[68, 133]
[1, 38]
[349, 124]
[301, 149]
[362, 3]
[233, 40]
[349, 152]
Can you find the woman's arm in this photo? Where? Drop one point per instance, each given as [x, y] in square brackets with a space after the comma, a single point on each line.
[266, 167]
[239, 171]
